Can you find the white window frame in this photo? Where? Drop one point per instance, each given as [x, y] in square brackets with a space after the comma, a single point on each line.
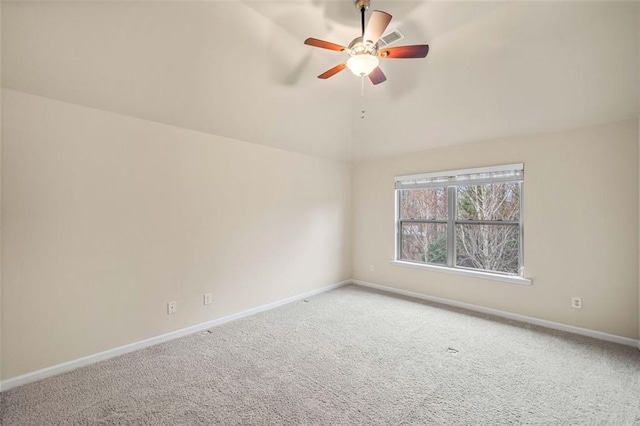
[451, 180]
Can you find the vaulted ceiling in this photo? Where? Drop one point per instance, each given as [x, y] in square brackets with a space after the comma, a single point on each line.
[240, 69]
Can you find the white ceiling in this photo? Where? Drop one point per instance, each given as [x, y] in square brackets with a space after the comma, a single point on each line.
[239, 69]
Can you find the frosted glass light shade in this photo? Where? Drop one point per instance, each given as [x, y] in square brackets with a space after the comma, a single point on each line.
[362, 64]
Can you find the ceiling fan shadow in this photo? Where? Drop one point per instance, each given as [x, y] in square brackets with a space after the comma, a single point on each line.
[287, 57]
[341, 12]
[293, 76]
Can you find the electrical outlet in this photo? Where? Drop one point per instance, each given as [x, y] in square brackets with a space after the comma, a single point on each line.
[172, 307]
[576, 302]
[207, 298]
[372, 268]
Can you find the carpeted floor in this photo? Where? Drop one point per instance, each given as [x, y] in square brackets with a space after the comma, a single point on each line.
[349, 356]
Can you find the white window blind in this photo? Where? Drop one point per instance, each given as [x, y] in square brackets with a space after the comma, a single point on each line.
[479, 176]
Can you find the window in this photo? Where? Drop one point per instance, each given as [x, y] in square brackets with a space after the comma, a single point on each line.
[465, 219]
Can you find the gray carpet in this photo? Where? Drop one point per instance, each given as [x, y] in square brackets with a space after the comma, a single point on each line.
[350, 356]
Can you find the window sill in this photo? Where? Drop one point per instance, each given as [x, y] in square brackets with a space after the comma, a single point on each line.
[476, 274]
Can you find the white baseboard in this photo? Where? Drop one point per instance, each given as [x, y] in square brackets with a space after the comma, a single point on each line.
[101, 356]
[503, 314]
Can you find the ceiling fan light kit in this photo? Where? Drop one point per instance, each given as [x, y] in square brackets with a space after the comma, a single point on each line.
[362, 64]
[364, 51]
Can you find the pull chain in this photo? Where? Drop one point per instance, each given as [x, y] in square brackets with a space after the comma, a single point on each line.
[362, 99]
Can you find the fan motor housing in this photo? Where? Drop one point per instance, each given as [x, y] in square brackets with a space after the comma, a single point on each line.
[358, 47]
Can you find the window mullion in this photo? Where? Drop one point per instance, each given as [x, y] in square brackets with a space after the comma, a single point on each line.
[451, 223]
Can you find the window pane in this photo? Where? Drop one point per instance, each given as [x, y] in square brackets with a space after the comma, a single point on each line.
[494, 201]
[488, 247]
[424, 242]
[424, 203]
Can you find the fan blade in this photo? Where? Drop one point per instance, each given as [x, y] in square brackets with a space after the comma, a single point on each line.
[324, 44]
[377, 76]
[333, 71]
[377, 24]
[415, 51]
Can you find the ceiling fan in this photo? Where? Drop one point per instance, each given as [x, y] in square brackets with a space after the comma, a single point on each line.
[363, 51]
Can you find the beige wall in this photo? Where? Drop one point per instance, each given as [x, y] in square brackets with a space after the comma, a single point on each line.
[105, 218]
[581, 226]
